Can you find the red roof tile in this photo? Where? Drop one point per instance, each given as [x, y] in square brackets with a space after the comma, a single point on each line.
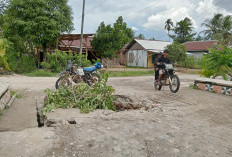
[200, 45]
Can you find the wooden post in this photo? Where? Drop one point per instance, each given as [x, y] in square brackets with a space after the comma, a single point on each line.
[86, 47]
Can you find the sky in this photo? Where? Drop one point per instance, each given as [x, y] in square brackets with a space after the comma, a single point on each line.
[146, 16]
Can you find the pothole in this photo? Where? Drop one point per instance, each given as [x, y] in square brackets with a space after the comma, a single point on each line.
[123, 103]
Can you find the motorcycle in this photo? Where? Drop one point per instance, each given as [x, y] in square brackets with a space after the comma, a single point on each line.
[73, 75]
[168, 79]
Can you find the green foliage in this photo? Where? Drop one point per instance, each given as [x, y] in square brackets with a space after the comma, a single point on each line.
[168, 26]
[140, 36]
[218, 63]
[37, 22]
[58, 61]
[192, 62]
[219, 27]
[177, 52]
[81, 96]
[183, 31]
[109, 39]
[41, 73]
[3, 47]
[21, 62]
[3, 5]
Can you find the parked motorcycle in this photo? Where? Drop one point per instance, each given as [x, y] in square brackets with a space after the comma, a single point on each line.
[169, 78]
[76, 75]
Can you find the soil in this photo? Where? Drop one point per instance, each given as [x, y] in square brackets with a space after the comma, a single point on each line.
[188, 123]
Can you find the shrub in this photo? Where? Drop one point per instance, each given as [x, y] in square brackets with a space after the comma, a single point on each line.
[192, 62]
[58, 60]
[21, 62]
[177, 52]
[218, 63]
[81, 96]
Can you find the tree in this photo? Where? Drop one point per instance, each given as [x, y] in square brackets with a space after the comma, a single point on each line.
[168, 26]
[140, 36]
[3, 5]
[37, 22]
[108, 39]
[219, 27]
[225, 33]
[177, 52]
[213, 25]
[183, 31]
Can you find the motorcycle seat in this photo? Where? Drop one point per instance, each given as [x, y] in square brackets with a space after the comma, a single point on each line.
[89, 69]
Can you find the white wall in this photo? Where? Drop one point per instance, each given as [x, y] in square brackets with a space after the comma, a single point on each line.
[197, 54]
[137, 58]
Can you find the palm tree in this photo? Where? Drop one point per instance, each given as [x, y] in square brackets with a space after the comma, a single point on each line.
[219, 27]
[168, 26]
[213, 26]
[183, 31]
[226, 31]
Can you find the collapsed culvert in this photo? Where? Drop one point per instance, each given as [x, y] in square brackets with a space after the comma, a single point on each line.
[122, 103]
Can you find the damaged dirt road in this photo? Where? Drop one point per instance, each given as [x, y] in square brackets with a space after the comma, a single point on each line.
[188, 123]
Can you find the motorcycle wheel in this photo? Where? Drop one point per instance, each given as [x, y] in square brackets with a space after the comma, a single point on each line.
[157, 87]
[174, 87]
[93, 79]
[62, 82]
[96, 78]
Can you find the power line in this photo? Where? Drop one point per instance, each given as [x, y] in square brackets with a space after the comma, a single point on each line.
[142, 9]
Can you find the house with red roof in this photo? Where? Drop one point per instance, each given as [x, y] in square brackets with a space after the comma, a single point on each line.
[71, 42]
[198, 48]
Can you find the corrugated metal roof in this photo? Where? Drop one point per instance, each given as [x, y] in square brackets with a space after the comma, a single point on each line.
[153, 45]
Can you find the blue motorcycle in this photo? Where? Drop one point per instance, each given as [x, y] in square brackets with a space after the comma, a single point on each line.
[76, 75]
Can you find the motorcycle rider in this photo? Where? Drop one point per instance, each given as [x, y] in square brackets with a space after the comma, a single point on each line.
[156, 66]
[162, 59]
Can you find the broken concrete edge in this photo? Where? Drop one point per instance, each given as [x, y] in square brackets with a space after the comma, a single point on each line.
[11, 101]
[4, 95]
[214, 85]
[3, 88]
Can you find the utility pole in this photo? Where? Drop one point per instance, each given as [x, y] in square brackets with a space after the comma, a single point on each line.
[82, 27]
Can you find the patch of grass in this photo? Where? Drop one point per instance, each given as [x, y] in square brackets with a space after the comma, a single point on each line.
[19, 96]
[12, 93]
[41, 73]
[131, 73]
[193, 86]
[1, 112]
[130, 67]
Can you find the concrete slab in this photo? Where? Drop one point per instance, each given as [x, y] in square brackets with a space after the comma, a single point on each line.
[214, 81]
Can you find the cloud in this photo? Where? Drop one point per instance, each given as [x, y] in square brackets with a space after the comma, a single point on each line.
[157, 21]
[149, 21]
[134, 28]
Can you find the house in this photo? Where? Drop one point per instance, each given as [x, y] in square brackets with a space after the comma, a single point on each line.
[198, 48]
[71, 42]
[142, 53]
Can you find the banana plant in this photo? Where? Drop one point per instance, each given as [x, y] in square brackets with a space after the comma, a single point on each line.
[3, 47]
